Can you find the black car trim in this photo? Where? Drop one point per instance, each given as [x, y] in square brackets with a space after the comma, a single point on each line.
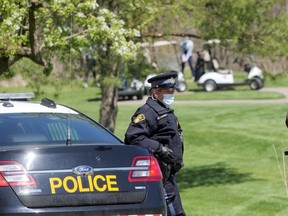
[87, 199]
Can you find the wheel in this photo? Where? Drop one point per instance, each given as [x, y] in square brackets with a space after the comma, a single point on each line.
[182, 86]
[256, 83]
[210, 85]
[140, 95]
[261, 83]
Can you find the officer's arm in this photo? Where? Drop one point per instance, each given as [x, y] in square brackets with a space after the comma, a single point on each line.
[139, 132]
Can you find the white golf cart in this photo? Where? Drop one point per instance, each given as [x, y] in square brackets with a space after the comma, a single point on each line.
[216, 78]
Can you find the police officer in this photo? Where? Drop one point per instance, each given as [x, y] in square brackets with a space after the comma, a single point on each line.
[154, 126]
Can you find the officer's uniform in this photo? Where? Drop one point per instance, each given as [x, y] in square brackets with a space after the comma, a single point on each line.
[154, 124]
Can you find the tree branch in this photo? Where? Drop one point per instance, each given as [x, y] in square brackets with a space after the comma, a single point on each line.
[35, 54]
[161, 35]
[76, 34]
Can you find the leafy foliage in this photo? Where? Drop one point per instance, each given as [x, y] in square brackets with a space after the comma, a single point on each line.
[37, 28]
[252, 26]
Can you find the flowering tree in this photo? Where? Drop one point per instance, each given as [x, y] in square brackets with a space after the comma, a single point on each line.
[35, 29]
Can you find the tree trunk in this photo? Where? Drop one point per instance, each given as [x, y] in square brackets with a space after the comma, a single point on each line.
[109, 107]
[109, 67]
[4, 64]
[34, 32]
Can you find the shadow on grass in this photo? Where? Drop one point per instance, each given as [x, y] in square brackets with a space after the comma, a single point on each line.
[98, 99]
[94, 99]
[211, 175]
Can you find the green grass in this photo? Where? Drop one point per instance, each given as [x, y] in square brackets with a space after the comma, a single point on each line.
[227, 95]
[230, 165]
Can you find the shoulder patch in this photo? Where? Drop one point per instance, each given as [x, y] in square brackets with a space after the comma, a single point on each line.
[139, 118]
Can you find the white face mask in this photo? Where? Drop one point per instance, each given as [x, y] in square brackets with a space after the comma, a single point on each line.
[168, 99]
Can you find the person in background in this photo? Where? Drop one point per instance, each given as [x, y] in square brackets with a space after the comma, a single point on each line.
[155, 126]
[186, 49]
[89, 63]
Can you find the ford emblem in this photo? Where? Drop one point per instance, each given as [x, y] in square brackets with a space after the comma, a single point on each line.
[83, 170]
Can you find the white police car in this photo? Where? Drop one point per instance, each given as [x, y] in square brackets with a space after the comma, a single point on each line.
[55, 160]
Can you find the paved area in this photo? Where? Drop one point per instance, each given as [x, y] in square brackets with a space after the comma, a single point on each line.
[282, 90]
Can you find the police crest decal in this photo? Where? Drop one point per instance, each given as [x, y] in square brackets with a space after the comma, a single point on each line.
[139, 118]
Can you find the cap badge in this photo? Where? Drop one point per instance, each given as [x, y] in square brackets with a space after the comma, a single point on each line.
[172, 80]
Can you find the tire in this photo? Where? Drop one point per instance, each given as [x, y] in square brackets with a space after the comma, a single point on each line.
[210, 85]
[256, 83]
[182, 86]
[261, 83]
[140, 95]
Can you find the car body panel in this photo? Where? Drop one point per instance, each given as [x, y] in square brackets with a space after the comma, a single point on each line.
[79, 168]
[108, 178]
[217, 77]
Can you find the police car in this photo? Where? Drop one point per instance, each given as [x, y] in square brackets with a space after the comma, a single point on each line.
[55, 160]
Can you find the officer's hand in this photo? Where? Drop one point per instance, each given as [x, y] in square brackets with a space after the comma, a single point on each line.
[165, 154]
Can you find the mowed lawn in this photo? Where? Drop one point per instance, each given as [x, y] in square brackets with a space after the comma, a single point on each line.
[230, 163]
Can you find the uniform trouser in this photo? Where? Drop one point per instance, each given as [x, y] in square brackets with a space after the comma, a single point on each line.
[172, 196]
[190, 62]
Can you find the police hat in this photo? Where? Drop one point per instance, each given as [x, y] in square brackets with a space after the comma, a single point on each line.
[164, 81]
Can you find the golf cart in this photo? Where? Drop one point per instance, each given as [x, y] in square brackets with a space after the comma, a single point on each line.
[216, 78]
[171, 62]
[135, 89]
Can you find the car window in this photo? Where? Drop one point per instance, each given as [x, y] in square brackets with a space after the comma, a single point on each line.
[48, 128]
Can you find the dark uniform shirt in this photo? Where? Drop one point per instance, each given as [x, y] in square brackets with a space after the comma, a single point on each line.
[154, 124]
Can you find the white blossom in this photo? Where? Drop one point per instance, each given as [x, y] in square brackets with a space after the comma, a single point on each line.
[101, 19]
[8, 22]
[59, 29]
[105, 27]
[104, 11]
[94, 5]
[81, 15]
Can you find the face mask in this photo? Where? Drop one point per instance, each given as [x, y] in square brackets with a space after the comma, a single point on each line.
[168, 99]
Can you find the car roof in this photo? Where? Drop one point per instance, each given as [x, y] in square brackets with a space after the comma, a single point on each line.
[30, 107]
[10, 104]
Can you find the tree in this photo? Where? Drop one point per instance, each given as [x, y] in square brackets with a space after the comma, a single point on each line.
[251, 26]
[35, 29]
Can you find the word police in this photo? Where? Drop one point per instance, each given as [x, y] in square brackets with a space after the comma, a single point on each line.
[71, 184]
